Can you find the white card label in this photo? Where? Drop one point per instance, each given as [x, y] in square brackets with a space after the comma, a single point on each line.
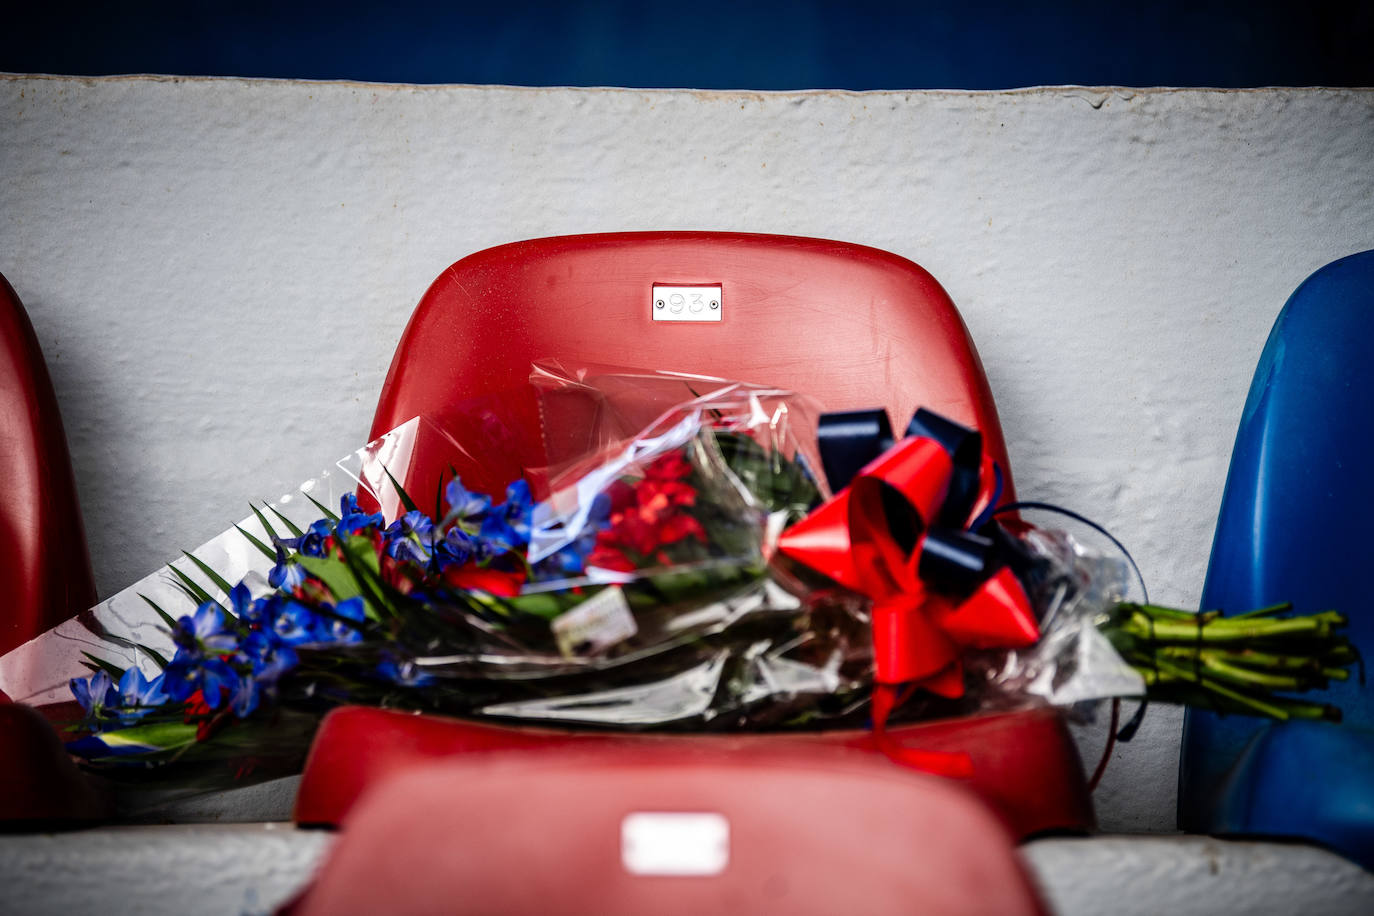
[596, 624]
[674, 843]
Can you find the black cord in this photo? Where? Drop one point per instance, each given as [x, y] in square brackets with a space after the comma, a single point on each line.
[1049, 507]
[1131, 727]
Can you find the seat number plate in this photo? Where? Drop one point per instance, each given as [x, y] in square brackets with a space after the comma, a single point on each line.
[675, 843]
[686, 303]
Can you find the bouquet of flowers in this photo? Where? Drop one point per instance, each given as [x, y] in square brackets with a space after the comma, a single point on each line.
[680, 562]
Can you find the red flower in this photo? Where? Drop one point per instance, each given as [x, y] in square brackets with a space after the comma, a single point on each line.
[606, 556]
[196, 706]
[199, 711]
[400, 575]
[672, 466]
[681, 526]
[492, 581]
[622, 496]
[649, 514]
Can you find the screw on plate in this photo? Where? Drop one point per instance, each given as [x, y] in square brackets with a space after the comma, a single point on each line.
[715, 304]
[658, 304]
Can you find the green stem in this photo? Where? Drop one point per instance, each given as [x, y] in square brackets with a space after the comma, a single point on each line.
[1237, 675]
[1268, 709]
[1298, 709]
[1222, 630]
[1169, 613]
[1264, 611]
[1247, 658]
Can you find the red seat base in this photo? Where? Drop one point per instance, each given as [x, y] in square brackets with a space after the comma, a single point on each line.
[1026, 766]
[574, 830]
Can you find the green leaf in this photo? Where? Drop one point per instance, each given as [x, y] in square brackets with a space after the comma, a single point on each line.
[109, 668]
[335, 575]
[290, 525]
[400, 491]
[362, 560]
[155, 655]
[439, 493]
[210, 574]
[166, 617]
[160, 736]
[323, 508]
[341, 580]
[186, 592]
[541, 604]
[262, 548]
[262, 519]
[192, 588]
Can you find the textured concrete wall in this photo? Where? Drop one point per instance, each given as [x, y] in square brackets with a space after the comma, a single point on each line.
[219, 269]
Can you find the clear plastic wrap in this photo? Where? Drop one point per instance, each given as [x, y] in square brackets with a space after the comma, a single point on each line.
[599, 549]
[1073, 589]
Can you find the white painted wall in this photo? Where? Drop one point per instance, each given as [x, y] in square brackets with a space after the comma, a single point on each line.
[218, 270]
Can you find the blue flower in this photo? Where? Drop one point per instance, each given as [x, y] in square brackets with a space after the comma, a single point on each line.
[571, 559]
[240, 600]
[343, 631]
[296, 624]
[187, 673]
[353, 519]
[404, 673]
[269, 660]
[508, 525]
[96, 695]
[456, 548]
[258, 614]
[138, 695]
[200, 640]
[411, 537]
[179, 677]
[464, 505]
[205, 632]
[312, 543]
[217, 680]
[246, 697]
[268, 657]
[286, 574]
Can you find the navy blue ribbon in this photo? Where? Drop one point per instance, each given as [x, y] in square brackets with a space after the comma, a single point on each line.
[848, 440]
[955, 558]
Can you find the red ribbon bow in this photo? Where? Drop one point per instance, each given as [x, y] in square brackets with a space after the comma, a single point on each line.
[872, 537]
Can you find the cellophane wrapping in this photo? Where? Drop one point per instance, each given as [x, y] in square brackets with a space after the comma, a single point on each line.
[598, 549]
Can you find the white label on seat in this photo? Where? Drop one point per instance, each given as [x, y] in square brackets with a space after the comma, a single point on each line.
[686, 303]
[674, 843]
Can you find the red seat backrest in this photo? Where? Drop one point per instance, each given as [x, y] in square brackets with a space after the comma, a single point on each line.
[852, 326]
[683, 830]
[45, 569]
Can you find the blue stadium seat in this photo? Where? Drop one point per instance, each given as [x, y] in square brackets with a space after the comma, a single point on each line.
[1294, 526]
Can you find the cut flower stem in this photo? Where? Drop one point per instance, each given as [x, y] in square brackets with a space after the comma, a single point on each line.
[1235, 664]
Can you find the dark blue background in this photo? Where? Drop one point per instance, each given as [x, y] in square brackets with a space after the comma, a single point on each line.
[864, 44]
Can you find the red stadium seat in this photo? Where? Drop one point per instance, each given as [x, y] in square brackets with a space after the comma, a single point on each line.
[45, 567]
[45, 574]
[853, 327]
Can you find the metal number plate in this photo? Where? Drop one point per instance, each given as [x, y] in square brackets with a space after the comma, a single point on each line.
[686, 303]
